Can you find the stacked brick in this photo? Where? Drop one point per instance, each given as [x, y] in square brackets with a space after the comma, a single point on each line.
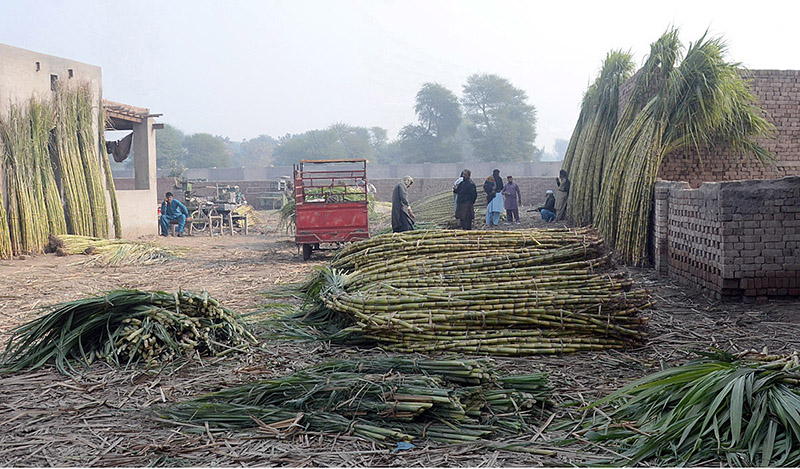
[778, 94]
[733, 239]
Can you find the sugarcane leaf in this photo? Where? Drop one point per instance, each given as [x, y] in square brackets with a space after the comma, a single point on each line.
[736, 407]
[769, 443]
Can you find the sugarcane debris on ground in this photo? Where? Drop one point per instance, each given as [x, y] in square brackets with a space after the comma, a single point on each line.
[385, 400]
[113, 252]
[124, 328]
[737, 410]
[437, 209]
[481, 292]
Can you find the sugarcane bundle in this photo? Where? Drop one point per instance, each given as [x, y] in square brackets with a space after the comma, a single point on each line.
[113, 252]
[437, 209]
[741, 410]
[112, 191]
[27, 210]
[251, 212]
[124, 327]
[386, 400]
[479, 292]
[593, 140]
[678, 104]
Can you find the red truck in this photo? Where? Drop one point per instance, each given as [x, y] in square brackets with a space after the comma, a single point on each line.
[331, 204]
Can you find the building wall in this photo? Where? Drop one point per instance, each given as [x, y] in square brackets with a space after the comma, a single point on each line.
[532, 188]
[374, 171]
[25, 74]
[733, 239]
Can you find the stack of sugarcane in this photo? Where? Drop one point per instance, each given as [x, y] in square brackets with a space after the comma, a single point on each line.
[688, 105]
[591, 140]
[112, 191]
[384, 400]
[124, 327]
[28, 136]
[480, 292]
[437, 209]
[34, 206]
[719, 409]
[113, 252]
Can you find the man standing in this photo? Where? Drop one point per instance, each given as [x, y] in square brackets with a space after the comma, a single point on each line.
[561, 195]
[172, 209]
[402, 215]
[512, 199]
[466, 194]
[493, 186]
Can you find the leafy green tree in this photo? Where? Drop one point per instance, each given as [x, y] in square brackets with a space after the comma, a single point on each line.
[256, 152]
[439, 116]
[205, 151]
[437, 110]
[502, 125]
[169, 147]
[337, 141]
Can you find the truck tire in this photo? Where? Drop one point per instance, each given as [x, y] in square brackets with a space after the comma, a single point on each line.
[306, 252]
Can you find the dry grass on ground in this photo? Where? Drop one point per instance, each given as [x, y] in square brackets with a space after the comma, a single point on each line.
[104, 417]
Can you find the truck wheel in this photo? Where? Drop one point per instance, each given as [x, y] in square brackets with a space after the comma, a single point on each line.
[306, 252]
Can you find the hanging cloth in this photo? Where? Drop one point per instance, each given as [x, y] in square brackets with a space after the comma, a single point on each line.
[121, 148]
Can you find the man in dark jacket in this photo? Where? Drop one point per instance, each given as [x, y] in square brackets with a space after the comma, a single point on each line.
[402, 216]
[548, 210]
[466, 194]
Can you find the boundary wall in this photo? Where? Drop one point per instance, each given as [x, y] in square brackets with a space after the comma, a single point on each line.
[737, 239]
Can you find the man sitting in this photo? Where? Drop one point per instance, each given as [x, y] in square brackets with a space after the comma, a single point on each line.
[548, 211]
[172, 209]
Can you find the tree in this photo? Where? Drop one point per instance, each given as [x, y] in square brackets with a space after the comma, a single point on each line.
[205, 151]
[502, 125]
[337, 141]
[437, 110]
[169, 147]
[256, 151]
[439, 116]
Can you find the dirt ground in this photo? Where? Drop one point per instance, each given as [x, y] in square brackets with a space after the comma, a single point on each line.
[105, 417]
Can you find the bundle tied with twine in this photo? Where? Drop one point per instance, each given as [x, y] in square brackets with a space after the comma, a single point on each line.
[479, 292]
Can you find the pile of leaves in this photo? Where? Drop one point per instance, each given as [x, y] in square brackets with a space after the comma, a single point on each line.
[717, 409]
[384, 400]
[124, 327]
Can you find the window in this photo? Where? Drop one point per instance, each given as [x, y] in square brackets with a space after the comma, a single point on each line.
[69, 73]
[53, 81]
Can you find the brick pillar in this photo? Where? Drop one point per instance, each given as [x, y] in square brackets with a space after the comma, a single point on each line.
[661, 228]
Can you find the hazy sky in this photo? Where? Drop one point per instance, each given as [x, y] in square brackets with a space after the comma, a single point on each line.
[245, 68]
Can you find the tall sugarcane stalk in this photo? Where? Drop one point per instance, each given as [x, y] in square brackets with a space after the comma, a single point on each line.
[87, 145]
[42, 123]
[702, 101]
[112, 191]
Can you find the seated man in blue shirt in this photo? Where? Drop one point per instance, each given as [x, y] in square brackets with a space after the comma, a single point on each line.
[172, 209]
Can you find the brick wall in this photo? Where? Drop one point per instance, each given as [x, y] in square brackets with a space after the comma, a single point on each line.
[734, 239]
[532, 188]
[778, 94]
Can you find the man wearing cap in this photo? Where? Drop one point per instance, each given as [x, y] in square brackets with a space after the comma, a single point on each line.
[402, 216]
[548, 211]
[512, 199]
